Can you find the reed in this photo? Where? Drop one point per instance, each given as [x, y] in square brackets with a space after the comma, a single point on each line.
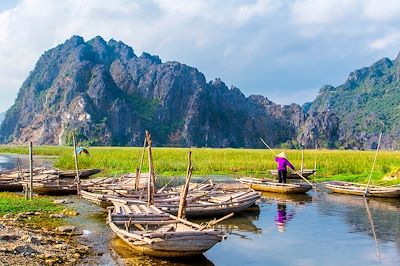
[345, 165]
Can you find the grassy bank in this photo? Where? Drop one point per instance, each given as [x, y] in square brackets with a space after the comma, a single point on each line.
[344, 165]
[11, 203]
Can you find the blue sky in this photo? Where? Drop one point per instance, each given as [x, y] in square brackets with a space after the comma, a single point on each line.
[283, 49]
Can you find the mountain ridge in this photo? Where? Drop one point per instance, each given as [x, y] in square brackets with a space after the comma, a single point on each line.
[107, 95]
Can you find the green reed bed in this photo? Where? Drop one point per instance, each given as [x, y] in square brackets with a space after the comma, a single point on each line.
[345, 165]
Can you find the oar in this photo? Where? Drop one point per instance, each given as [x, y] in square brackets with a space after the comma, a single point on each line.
[373, 165]
[293, 170]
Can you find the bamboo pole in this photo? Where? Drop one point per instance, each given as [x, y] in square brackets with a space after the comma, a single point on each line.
[302, 160]
[137, 179]
[373, 165]
[170, 181]
[151, 182]
[315, 159]
[214, 222]
[316, 188]
[142, 158]
[22, 177]
[78, 181]
[30, 170]
[185, 188]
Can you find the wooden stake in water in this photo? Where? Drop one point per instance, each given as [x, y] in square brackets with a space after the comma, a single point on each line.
[137, 178]
[185, 189]
[315, 159]
[373, 165]
[78, 181]
[142, 158]
[302, 160]
[151, 182]
[30, 170]
[22, 178]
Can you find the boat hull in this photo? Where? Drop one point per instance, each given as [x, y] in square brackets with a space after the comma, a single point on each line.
[274, 187]
[305, 173]
[11, 187]
[353, 189]
[176, 247]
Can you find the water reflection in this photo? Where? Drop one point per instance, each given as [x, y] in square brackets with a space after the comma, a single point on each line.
[283, 216]
[286, 198]
[376, 217]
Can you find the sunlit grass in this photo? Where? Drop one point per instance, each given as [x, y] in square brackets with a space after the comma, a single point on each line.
[11, 203]
[331, 164]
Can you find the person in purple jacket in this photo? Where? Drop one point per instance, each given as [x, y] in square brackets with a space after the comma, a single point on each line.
[282, 163]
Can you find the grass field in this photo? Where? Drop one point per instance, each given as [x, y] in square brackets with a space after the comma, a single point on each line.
[331, 164]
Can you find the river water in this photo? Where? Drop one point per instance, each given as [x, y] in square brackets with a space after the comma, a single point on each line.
[310, 229]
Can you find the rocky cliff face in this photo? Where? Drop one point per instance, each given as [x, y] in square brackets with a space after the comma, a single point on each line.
[107, 95]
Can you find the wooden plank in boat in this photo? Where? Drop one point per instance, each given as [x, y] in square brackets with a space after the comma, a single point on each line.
[135, 209]
[155, 210]
[145, 209]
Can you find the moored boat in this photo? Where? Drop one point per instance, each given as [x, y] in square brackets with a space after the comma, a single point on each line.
[199, 204]
[305, 173]
[148, 230]
[270, 186]
[84, 173]
[10, 185]
[361, 189]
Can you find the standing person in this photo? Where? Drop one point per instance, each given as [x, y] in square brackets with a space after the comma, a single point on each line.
[282, 163]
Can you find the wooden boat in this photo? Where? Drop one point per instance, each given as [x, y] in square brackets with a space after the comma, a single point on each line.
[10, 184]
[84, 173]
[199, 204]
[270, 186]
[305, 173]
[54, 185]
[148, 230]
[359, 189]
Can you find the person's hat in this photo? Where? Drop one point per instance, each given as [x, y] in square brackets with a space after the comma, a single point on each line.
[282, 155]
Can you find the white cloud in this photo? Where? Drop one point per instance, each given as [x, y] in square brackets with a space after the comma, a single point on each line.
[391, 39]
[256, 45]
[382, 10]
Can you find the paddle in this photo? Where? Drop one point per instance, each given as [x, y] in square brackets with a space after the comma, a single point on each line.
[293, 170]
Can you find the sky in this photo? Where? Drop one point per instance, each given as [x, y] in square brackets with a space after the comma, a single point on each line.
[285, 50]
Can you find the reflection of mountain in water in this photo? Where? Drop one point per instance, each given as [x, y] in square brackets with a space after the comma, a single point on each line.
[385, 214]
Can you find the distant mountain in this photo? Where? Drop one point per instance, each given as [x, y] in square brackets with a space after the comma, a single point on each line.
[2, 115]
[108, 95]
[366, 104]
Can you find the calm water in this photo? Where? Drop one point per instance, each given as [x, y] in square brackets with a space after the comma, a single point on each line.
[9, 161]
[311, 229]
